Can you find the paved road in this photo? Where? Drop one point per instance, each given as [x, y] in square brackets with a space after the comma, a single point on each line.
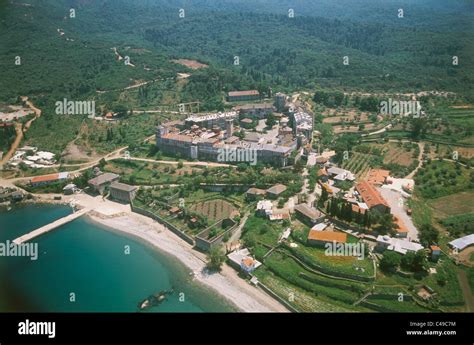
[393, 200]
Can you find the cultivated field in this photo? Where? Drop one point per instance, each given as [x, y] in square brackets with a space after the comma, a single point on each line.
[335, 116]
[351, 129]
[214, 209]
[453, 204]
[359, 164]
[394, 153]
[459, 116]
[441, 150]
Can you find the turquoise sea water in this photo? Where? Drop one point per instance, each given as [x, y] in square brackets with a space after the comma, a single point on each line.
[86, 259]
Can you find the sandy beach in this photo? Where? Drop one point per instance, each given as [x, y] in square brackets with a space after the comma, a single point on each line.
[227, 283]
[119, 218]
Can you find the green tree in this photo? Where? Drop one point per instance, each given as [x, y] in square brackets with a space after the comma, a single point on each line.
[415, 262]
[215, 259]
[418, 127]
[241, 167]
[390, 261]
[102, 163]
[271, 121]
[323, 198]
[428, 235]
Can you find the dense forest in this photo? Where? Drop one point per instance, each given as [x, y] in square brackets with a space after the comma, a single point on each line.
[304, 51]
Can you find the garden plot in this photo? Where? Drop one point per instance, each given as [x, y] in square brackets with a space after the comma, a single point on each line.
[214, 209]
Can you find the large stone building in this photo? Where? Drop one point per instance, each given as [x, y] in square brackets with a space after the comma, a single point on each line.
[205, 144]
[303, 124]
[122, 192]
[279, 101]
[260, 110]
[309, 215]
[101, 182]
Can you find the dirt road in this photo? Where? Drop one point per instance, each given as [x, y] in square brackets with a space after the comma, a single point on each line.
[20, 131]
[420, 161]
[466, 290]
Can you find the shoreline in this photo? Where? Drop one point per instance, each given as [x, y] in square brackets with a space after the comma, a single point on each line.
[235, 290]
[119, 218]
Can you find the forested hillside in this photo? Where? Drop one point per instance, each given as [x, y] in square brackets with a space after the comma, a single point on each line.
[384, 51]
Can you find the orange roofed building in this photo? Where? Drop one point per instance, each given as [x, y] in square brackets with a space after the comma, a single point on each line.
[377, 176]
[320, 238]
[47, 179]
[372, 197]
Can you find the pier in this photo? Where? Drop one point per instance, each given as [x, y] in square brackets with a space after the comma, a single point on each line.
[51, 226]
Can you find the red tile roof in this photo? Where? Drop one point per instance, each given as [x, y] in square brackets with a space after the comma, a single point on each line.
[322, 172]
[248, 262]
[177, 137]
[327, 188]
[370, 195]
[377, 176]
[327, 236]
[46, 178]
[357, 209]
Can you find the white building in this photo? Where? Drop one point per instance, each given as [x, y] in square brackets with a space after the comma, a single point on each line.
[241, 258]
[285, 235]
[396, 244]
[462, 242]
[264, 207]
[340, 174]
[319, 227]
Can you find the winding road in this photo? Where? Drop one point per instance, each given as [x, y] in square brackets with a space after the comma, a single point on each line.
[20, 130]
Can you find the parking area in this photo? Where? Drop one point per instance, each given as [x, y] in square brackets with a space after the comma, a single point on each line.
[396, 203]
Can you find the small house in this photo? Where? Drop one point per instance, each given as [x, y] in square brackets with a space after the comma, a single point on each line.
[309, 215]
[435, 252]
[275, 191]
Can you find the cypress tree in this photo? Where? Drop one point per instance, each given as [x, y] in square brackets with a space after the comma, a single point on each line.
[349, 212]
[366, 219]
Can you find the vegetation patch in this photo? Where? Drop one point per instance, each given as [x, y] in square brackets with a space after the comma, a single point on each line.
[441, 178]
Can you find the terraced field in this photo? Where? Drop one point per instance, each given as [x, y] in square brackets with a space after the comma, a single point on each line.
[399, 155]
[460, 116]
[359, 164]
[214, 209]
